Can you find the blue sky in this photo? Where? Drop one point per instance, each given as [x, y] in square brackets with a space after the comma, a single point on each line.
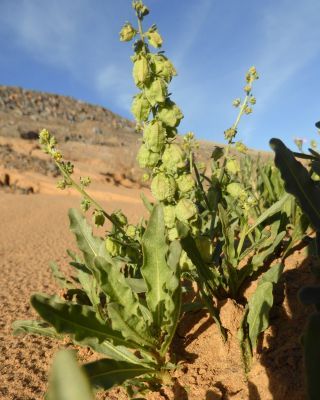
[72, 47]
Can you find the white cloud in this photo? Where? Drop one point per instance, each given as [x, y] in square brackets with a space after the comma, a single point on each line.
[112, 80]
[47, 30]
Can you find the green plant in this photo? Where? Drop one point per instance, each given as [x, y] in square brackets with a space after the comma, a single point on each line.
[107, 313]
[212, 228]
[304, 185]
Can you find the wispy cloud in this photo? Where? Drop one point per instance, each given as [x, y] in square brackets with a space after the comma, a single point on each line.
[115, 81]
[192, 22]
[48, 31]
[290, 39]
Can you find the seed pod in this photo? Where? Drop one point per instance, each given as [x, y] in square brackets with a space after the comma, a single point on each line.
[127, 33]
[173, 234]
[169, 216]
[98, 218]
[163, 67]
[185, 210]
[233, 166]
[236, 190]
[154, 38]
[112, 247]
[141, 70]
[185, 183]
[131, 231]
[154, 135]
[147, 158]
[242, 148]
[140, 107]
[120, 217]
[185, 263]
[174, 158]
[170, 114]
[163, 187]
[156, 91]
[205, 247]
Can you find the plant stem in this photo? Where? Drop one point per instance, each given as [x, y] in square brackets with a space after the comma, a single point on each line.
[92, 201]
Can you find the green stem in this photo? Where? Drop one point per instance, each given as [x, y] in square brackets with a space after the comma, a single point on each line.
[92, 201]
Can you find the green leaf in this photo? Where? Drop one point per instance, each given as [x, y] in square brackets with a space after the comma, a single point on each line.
[259, 259]
[59, 277]
[105, 373]
[123, 304]
[89, 285]
[34, 328]
[81, 322]
[68, 381]
[148, 205]
[173, 301]
[155, 270]
[297, 181]
[273, 274]
[274, 209]
[137, 285]
[209, 279]
[259, 306]
[256, 318]
[90, 245]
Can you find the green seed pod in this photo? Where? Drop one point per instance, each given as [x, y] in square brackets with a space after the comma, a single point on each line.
[233, 166]
[141, 70]
[98, 218]
[120, 217]
[154, 38]
[236, 190]
[154, 135]
[127, 33]
[140, 107]
[186, 210]
[173, 234]
[242, 148]
[163, 187]
[185, 183]
[169, 216]
[205, 247]
[131, 231]
[170, 114]
[230, 133]
[156, 91]
[174, 158]
[112, 247]
[163, 67]
[185, 263]
[147, 158]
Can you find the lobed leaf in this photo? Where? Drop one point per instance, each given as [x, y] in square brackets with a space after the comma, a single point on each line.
[79, 321]
[105, 374]
[34, 328]
[298, 181]
[155, 270]
[90, 245]
[123, 305]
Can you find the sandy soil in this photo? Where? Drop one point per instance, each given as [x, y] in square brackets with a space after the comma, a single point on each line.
[34, 230]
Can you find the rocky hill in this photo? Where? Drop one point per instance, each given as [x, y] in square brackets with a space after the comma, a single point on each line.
[87, 134]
